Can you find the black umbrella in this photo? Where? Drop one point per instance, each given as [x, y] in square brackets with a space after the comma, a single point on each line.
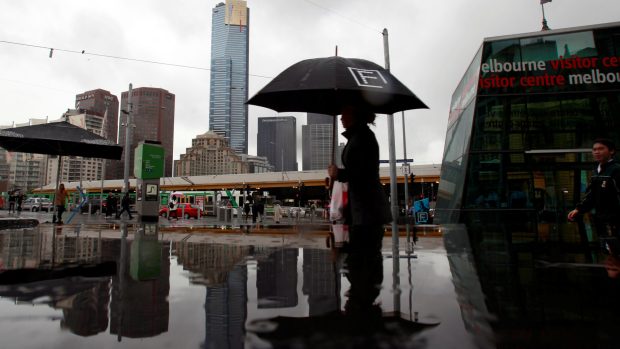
[58, 138]
[327, 85]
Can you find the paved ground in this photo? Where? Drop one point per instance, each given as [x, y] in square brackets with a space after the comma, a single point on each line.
[287, 225]
[45, 217]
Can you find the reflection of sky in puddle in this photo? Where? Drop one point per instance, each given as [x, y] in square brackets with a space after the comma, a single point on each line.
[210, 299]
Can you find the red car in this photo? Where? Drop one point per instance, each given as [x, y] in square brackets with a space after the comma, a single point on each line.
[183, 210]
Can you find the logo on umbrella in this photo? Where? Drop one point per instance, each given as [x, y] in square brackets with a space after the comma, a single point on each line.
[368, 78]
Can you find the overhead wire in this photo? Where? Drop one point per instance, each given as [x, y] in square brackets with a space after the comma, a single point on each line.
[150, 61]
[343, 16]
[84, 52]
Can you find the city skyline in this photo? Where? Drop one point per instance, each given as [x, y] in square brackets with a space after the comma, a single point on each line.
[425, 52]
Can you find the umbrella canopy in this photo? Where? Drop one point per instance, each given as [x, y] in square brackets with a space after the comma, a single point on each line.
[328, 85]
[59, 138]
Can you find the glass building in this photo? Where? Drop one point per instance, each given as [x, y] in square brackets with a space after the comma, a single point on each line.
[228, 113]
[276, 140]
[317, 142]
[521, 126]
[517, 159]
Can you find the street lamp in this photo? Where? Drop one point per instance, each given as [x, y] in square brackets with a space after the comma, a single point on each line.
[127, 140]
[104, 133]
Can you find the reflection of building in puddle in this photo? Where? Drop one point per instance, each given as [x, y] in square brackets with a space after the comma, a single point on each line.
[20, 249]
[140, 308]
[37, 247]
[221, 268]
[210, 263]
[321, 281]
[84, 302]
[86, 313]
[225, 310]
[276, 278]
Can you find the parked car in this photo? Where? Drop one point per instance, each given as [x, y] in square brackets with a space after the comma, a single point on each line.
[37, 204]
[291, 211]
[95, 206]
[183, 210]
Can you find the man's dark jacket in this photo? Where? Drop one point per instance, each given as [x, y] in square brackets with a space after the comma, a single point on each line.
[360, 157]
[603, 194]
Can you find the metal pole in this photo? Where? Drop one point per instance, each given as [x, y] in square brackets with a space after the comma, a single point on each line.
[104, 133]
[393, 193]
[405, 183]
[406, 163]
[127, 141]
[393, 188]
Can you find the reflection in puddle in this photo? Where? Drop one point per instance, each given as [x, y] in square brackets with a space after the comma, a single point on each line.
[139, 286]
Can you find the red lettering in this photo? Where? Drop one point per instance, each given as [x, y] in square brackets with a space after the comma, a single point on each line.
[542, 80]
[496, 82]
[610, 62]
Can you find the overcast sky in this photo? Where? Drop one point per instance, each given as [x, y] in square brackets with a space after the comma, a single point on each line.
[431, 44]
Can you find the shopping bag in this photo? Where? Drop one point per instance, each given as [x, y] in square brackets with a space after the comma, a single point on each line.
[338, 202]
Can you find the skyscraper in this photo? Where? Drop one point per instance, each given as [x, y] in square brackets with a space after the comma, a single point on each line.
[153, 119]
[316, 138]
[228, 113]
[102, 103]
[97, 102]
[277, 140]
[77, 168]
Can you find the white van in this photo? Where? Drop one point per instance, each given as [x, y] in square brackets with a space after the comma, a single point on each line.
[37, 204]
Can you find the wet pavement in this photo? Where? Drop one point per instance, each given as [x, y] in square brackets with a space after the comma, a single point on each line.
[204, 284]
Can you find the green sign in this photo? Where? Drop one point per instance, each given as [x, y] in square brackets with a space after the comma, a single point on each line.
[149, 161]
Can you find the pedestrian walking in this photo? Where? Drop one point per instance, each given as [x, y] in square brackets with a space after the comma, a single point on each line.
[59, 202]
[12, 200]
[603, 196]
[277, 212]
[255, 210]
[246, 208]
[368, 209]
[19, 199]
[108, 206]
[114, 205]
[125, 203]
[261, 210]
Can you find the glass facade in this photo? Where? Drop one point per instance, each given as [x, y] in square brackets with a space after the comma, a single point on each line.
[521, 125]
[276, 140]
[228, 113]
[517, 159]
[317, 142]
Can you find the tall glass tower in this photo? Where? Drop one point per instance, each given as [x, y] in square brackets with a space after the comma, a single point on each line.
[228, 113]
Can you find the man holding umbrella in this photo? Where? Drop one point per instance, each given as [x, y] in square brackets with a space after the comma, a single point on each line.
[368, 209]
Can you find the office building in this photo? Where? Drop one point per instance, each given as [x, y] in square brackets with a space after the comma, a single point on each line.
[257, 164]
[103, 103]
[209, 154]
[77, 168]
[277, 139]
[317, 142]
[228, 113]
[152, 119]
